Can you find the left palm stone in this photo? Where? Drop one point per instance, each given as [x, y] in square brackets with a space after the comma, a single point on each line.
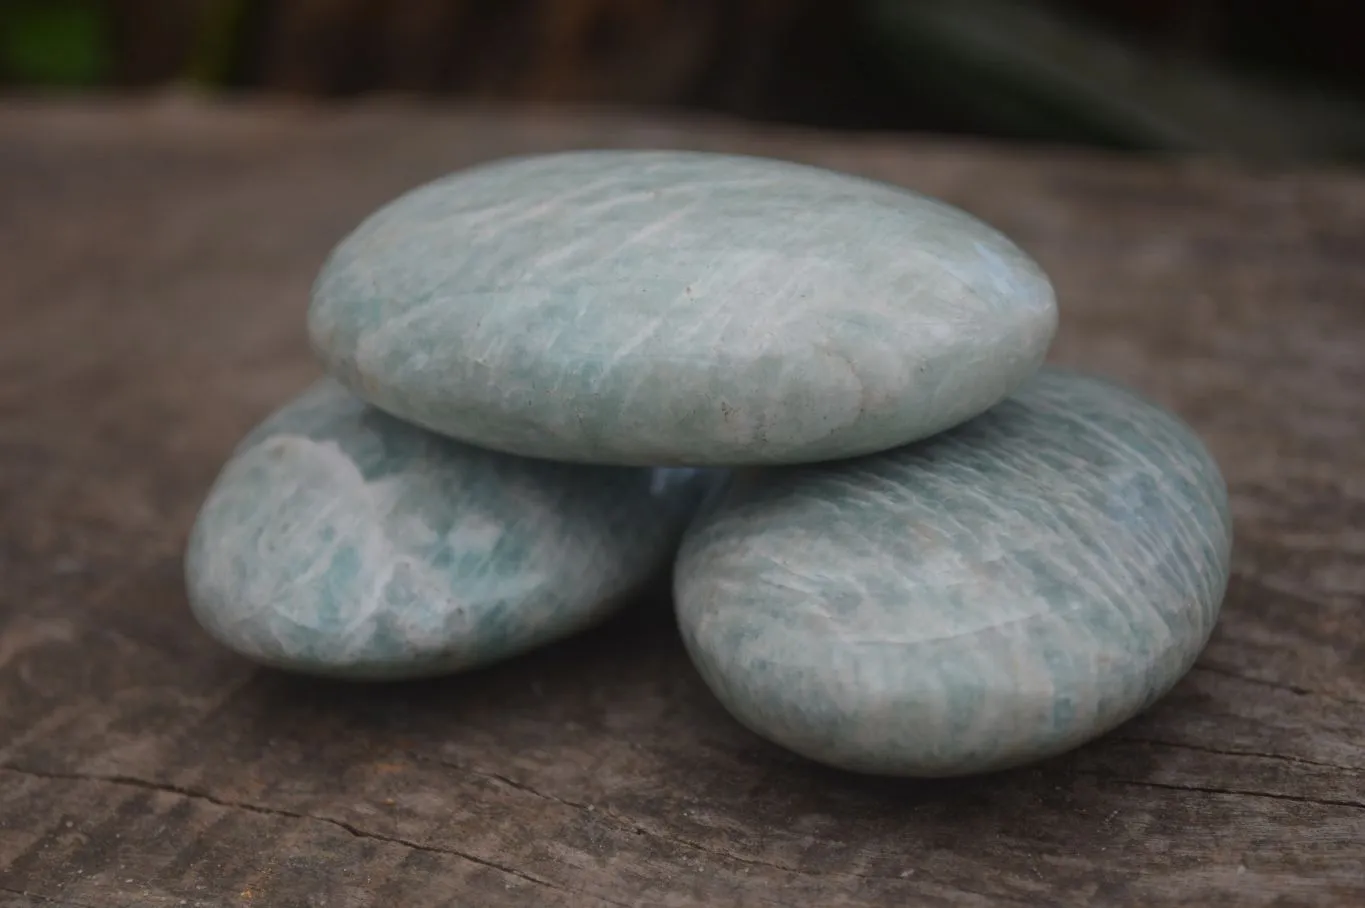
[340, 541]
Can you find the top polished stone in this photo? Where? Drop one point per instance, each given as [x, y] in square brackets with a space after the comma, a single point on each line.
[677, 308]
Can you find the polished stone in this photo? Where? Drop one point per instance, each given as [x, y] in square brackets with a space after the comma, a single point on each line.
[340, 541]
[676, 308]
[995, 595]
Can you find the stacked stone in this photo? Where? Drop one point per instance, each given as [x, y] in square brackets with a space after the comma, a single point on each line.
[899, 543]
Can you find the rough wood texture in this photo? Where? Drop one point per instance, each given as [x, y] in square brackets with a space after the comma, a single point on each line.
[154, 268]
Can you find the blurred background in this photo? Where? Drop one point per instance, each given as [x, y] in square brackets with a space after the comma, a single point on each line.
[1263, 80]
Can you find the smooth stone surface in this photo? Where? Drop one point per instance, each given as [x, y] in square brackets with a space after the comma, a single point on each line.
[998, 594]
[678, 308]
[340, 541]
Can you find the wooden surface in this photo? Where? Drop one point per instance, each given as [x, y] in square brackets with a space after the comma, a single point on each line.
[155, 263]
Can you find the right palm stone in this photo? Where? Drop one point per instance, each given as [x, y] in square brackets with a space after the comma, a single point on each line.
[992, 596]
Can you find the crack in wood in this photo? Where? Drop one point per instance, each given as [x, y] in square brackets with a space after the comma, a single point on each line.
[1215, 790]
[502, 780]
[627, 824]
[602, 812]
[45, 899]
[352, 829]
[1200, 748]
[1274, 685]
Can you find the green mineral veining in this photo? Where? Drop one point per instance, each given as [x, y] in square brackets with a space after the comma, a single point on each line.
[995, 595]
[678, 308]
[340, 541]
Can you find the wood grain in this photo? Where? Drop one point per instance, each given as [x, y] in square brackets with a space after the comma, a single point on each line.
[155, 260]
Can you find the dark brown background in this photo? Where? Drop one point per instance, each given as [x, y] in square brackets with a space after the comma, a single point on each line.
[859, 64]
[662, 51]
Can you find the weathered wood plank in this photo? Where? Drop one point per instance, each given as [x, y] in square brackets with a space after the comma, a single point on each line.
[154, 268]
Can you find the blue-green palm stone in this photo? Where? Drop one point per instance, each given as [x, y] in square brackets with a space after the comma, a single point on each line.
[340, 541]
[992, 596]
[678, 308]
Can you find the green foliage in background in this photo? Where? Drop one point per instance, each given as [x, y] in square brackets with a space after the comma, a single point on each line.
[68, 43]
[54, 43]
[215, 52]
